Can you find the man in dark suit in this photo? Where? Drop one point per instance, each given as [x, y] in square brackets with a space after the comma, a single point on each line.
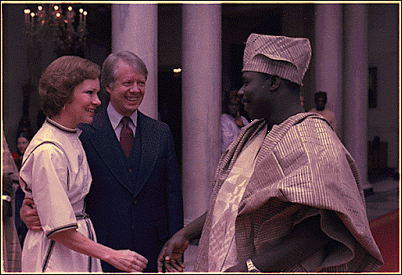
[135, 201]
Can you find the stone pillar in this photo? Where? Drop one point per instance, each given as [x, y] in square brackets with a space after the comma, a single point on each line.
[135, 29]
[201, 103]
[356, 85]
[329, 60]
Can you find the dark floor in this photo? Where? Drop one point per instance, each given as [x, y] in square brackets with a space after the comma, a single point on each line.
[385, 197]
[382, 199]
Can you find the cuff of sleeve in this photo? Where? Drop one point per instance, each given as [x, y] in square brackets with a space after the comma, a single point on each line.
[67, 227]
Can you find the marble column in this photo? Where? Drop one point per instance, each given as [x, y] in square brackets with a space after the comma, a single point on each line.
[328, 54]
[135, 29]
[356, 85]
[201, 103]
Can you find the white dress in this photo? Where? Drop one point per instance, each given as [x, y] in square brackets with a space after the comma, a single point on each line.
[56, 174]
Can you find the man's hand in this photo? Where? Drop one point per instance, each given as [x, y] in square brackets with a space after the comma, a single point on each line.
[29, 215]
[171, 255]
[170, 258]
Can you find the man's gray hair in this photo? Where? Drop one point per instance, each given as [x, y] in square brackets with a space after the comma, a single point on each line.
[109, 67]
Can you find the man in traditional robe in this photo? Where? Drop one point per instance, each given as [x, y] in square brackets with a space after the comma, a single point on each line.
[286, 195]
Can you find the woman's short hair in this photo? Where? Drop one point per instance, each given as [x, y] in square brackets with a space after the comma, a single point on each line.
[109, 67]
[57, 83]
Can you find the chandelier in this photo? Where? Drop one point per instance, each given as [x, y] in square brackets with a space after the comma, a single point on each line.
[51, 24]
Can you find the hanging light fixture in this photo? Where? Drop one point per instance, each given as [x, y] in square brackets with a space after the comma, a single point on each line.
[50, 23]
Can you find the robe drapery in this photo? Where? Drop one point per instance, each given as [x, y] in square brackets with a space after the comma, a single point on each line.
[302, 170]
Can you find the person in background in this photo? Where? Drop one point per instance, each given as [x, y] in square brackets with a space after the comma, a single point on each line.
[320, 100]
[231, 120]
[24, 137]
[286, 194]
[11, 256]
[135, 201]
[56, 175]
[302, 101]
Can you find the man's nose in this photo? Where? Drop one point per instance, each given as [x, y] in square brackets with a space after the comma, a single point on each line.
[134, 88]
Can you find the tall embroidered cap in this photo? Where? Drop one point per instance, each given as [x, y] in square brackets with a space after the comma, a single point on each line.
[283, 56]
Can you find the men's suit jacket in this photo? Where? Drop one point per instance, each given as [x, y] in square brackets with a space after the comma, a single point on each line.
[140, 217]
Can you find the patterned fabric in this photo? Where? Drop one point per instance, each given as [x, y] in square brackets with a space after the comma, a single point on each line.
[222, 248]
[11, 256]
[328, 114]
[287, 57]
[302, 169]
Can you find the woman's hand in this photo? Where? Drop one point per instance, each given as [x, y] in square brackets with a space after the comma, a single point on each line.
[127, 260]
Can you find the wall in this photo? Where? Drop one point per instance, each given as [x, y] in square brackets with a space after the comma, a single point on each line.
[15, 71]
[383, 121]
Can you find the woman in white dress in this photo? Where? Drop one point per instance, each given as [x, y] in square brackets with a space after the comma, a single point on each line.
[55, 173]
[231, 120]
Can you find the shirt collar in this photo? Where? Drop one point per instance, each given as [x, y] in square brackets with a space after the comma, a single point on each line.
[115, 117]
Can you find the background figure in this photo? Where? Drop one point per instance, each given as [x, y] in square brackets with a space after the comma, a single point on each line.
[286, 194]
[302, 101]
[231, 120]
[320, 99]
[24, 137]
[11, 245]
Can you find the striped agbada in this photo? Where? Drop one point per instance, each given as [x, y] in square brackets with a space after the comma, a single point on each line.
[11, 256]
[302, 169]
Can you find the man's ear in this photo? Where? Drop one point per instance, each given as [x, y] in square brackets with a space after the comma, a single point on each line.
[107, 89]
[273, 82]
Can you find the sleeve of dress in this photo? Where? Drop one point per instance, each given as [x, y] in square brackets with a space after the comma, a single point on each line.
[47, 175]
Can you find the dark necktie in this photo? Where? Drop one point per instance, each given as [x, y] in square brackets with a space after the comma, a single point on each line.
[126, 136]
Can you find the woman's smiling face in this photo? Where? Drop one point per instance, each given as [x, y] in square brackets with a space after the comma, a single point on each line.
[85, 100]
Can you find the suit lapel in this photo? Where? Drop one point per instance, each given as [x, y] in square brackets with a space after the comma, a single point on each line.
[108, 148]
